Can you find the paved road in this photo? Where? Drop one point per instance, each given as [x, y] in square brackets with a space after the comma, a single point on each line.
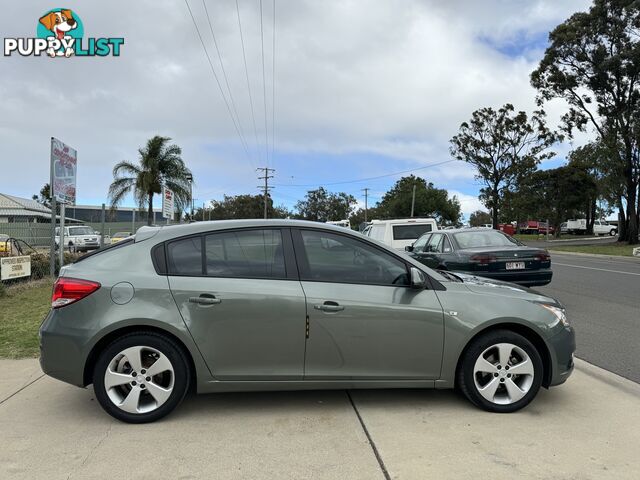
[602, 296]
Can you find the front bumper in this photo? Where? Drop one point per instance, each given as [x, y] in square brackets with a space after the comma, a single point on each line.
[562, 346]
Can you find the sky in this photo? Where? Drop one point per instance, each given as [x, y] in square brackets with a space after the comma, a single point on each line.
[352, 90]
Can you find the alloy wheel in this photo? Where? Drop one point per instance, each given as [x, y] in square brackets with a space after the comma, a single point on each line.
[503, 373]
[139, 379]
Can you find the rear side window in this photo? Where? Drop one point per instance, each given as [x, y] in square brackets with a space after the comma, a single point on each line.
[410, 231]
[185, 256]
[246, 254]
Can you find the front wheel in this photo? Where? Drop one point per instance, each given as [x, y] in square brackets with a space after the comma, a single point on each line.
[501, 371]
[141, 377]
[613, 232]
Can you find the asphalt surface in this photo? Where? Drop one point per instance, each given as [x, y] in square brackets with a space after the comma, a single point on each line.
[602, 296]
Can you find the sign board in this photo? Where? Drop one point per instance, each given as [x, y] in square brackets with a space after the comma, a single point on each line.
[167, 203]
[15, 267]
[64, 162]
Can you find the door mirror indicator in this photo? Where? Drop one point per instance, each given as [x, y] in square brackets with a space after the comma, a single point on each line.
[418, 280]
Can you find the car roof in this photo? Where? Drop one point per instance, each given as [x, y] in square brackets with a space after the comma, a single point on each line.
[165, 232]
[404, 221]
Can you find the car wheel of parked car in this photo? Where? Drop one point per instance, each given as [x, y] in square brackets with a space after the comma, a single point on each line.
[500, 371]
[141, 377]
[613, 232]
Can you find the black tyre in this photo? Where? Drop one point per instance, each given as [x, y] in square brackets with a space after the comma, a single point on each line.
[141, 377]
[501, 371]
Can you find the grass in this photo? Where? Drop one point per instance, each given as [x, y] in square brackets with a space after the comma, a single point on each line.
[533, 236]
[22, 309]
[608, 249]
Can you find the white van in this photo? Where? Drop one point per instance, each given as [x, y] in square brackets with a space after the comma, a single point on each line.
[401, 232]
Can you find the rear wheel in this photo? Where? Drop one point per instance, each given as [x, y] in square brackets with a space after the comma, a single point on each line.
[613, 232]
[501, 371]
[141, 377]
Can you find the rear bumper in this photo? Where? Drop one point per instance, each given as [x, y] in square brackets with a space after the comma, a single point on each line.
[61, 351]
[526, 278]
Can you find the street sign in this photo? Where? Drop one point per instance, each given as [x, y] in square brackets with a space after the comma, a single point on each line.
[167, 203]
[64, 161]
[15, 267]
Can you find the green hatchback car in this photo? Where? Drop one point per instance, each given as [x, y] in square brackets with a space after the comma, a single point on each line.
[289, 305]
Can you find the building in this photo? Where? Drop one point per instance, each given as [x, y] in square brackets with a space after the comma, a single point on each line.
[93, 214]
[22, 210]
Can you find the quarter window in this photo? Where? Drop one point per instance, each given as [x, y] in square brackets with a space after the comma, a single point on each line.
[247, 254]
[341, 259]
[185, 256]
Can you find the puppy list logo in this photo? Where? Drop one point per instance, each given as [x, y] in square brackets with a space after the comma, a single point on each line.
[60, 33]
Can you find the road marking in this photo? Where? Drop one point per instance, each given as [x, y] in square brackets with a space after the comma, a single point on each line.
[594, 268]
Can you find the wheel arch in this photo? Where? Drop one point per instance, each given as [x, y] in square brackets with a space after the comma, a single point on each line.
[529, 333]
[103, 342]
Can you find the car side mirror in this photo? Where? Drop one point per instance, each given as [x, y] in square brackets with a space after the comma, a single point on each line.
[408, 248]
[418, 280]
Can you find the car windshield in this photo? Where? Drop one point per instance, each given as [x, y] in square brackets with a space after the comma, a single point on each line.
[80, 231]
[484, 238]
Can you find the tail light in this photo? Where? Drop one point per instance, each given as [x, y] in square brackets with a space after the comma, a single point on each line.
[69, 290]
[543, 257]
[483, 259]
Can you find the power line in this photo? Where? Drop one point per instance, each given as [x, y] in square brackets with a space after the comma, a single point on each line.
[273, 89]
[246, 71]
[264, 90]
[213, 71]
[368, 178]
[266, 187]
[224, 72]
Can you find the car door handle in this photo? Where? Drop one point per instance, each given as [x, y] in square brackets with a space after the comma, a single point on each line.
[205, 299]
[329, 307]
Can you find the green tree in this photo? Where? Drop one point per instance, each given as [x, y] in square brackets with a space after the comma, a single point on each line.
[479, 218]
[44, 197]
[239, 207]
[429, 202]
[503, 146]
[357, 217]
[593, 63]
[322, 206]
[159, 164]
[558, 194]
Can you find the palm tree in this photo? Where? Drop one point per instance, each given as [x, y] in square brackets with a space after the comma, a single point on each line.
[159, 164]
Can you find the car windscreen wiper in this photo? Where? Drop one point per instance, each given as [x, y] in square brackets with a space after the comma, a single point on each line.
[450, 276]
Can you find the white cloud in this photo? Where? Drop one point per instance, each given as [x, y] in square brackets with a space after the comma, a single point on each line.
[351, 77]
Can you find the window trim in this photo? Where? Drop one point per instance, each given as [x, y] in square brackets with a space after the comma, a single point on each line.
[302, 260]
[291, 270]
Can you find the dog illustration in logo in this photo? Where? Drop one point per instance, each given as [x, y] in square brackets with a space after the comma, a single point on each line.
[59, 23]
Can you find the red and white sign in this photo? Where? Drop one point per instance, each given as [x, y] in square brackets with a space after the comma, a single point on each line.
[64, 163]
[167, 203]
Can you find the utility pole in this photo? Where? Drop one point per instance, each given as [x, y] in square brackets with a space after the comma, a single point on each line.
[265, 188]
[413, 200]
[366, 197]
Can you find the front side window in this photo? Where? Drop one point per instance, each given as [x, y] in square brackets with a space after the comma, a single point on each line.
[246, 254]
[419, 244]
[341, 259]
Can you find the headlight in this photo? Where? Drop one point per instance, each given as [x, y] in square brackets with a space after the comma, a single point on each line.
[560, 313]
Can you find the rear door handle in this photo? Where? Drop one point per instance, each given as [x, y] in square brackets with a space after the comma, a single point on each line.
[329, 307]
[205, 299]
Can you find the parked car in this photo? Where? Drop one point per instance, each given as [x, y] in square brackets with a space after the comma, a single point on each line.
[4, 243]
[486, 253]
[600, 227]
[400, 233]
[282, 304]
[564, 227]
[507, 228]
[535, 227]
[78, 238]
[119, 236]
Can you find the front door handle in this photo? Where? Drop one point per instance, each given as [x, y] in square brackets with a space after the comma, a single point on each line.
[205, 299]
[329, 307]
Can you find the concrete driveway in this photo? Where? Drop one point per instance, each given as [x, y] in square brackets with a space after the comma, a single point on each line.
[587, 429]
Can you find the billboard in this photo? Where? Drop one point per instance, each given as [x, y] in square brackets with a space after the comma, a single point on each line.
[64, 161]
[167, 203]
[15, 267]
